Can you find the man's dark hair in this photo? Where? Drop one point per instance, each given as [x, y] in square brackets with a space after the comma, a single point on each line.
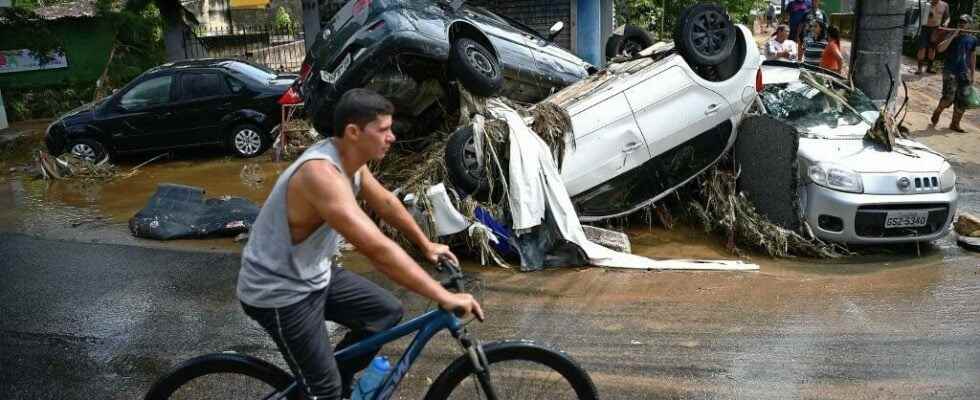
[359, 107]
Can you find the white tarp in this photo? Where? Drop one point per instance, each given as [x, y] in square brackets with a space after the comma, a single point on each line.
[536, 186]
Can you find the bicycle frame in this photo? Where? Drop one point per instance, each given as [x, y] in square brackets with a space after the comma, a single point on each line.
[427, 325]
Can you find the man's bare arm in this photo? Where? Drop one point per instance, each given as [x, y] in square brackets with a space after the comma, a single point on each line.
[389, 209]
[329, 191]
[945, 43]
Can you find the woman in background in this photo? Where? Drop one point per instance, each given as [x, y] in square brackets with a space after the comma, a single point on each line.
[814, 43]
[832, 58]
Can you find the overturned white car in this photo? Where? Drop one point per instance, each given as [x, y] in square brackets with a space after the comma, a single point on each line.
[643, 127]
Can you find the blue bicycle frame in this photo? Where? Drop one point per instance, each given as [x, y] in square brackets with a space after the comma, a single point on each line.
[427, 325]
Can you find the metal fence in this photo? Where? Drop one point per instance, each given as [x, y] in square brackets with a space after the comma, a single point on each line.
[278, 49]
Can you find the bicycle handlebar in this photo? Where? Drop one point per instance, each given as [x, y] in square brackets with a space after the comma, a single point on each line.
[455, 279]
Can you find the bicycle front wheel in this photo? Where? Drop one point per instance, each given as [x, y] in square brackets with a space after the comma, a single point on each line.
[518, 370]
[224, 376]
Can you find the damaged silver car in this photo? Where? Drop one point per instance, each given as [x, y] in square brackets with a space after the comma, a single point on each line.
[851, 189]
[643, 127]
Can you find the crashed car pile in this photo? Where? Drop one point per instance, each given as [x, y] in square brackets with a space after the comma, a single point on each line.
[622, 138]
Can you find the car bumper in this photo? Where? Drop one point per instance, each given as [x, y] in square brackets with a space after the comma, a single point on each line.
[859, 218]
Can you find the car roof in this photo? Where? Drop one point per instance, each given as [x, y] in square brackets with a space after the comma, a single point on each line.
[194, 63]
[782, 71]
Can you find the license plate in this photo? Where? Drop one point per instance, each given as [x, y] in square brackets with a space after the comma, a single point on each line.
[906, 219]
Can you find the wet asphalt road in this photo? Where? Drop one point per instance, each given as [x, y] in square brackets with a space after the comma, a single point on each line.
[100, 321]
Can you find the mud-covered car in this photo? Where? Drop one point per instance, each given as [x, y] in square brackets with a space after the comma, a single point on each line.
[410, 51]
[644, 127]
[851, 189]
[188, 103]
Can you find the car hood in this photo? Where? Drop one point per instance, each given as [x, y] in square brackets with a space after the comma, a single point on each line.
[80, 114]
[861, 155]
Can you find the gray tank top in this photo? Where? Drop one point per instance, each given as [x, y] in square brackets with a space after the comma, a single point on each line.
[275, 272]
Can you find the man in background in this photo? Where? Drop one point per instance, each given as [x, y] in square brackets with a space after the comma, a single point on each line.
[938, 17]
[958, 71]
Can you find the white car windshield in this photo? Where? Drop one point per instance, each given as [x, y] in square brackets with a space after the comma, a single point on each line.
[807, 106]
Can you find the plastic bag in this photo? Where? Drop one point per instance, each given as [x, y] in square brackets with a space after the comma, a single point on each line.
[972, 98]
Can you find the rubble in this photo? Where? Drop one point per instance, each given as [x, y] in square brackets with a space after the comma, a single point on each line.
[967, 225]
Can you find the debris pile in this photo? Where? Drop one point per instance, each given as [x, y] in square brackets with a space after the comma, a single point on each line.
[721, 209]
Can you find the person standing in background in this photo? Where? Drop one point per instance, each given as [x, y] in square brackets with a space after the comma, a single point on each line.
[770, 15]
[832, 57]
[814, 43]
[797, 10]
[958, 71]
[780, 47]
[938, 16]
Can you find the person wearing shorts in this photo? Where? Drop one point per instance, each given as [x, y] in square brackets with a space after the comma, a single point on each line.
[938, 17]
[958, 72]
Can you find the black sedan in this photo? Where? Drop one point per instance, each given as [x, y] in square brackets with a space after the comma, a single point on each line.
[409, 50]
[181, 104]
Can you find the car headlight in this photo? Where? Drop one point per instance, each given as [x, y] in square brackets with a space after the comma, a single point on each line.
[947, 178]
[835, 177]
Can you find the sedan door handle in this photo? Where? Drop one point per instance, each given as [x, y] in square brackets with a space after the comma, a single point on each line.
[167, 114]
[711, 109]
[630, 147]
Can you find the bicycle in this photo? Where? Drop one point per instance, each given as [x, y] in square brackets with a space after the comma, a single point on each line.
[190, 379]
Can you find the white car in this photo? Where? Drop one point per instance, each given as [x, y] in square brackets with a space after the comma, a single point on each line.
[644, 127]
[852, 191]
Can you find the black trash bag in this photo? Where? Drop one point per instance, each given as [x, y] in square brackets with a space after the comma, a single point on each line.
[180, 212]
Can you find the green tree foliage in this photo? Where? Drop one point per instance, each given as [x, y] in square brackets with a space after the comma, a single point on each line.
[282, 22]
[662, 15]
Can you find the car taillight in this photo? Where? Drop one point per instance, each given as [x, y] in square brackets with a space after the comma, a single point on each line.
[360, 5]
[304, 72]
[290, 97]
[758, 81]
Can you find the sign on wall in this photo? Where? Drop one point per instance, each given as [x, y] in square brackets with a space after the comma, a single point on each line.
[24, 60]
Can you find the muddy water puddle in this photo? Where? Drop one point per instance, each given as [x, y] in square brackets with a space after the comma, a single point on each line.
[99, 211]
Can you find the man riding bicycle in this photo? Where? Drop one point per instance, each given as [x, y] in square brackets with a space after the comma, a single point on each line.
[290, 281]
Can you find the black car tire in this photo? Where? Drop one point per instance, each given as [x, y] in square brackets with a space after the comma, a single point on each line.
[631, 41]
[476, 67]
[462, 163]
[704, 35]
[87, 149]
[247, 140]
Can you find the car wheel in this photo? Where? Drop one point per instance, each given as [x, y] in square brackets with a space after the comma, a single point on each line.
[633, 40]
[247, 141]
[476, 67]
[87, 149]
[704, 35]
[462, 162]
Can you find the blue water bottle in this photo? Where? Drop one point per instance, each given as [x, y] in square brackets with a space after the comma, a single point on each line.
[371, 379]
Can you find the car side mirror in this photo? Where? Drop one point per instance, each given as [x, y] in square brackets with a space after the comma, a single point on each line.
[555, 30]
[114, 91]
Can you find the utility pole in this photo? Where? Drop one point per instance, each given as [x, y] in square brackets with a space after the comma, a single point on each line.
[877, 47]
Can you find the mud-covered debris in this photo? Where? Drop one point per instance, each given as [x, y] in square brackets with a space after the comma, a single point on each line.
[967, 225]
[618, 241]
[178, 211]
[721, 209]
